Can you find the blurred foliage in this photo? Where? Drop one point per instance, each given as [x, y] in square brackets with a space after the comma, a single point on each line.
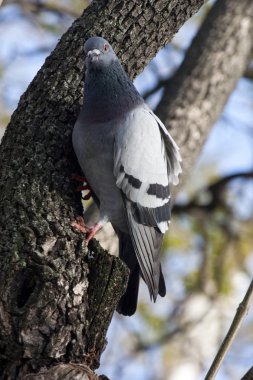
[60, 7]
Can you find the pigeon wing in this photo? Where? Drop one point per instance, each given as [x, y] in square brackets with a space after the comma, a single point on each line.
[146, 161]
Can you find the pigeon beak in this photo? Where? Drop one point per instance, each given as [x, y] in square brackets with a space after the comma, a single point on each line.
[94, 54]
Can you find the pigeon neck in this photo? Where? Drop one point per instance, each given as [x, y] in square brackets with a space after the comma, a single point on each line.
[109, 94]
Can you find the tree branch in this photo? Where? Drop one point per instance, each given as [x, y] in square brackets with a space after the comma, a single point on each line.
[35, 6]
[216, 191]
[194, 98]
[161, 83]
[241, 312]
[248, 375]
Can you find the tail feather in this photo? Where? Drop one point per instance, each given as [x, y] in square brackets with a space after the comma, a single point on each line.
[162, 287]
[161, 284]
[147, 242]
[128, 302]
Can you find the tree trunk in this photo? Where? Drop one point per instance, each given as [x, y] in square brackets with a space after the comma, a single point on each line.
[45, 317]
[195, 97]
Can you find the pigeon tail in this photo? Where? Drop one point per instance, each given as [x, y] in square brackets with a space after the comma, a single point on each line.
[162, 286]
[128, 302]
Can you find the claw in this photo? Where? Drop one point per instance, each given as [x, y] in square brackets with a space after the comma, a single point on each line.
[80, 225]
[85, 185]
[81, 188]
[95, 229]
[78, 178]
[87, 196]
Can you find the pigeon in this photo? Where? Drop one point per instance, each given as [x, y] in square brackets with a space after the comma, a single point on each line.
[129, 161]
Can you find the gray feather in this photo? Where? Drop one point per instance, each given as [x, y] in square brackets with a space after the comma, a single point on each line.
[130, 161]
[147, 243]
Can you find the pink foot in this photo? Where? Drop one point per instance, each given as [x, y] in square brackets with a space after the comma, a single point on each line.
[78, 178]
[82, 188]
[93, 231]
[85, 186]
[87, 196]
[80, 226]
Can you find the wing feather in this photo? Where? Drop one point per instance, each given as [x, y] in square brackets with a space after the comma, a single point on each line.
[146, 161]
[147, 243]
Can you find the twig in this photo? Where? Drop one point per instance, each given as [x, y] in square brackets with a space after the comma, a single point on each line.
[161, 83]
[248, 375]
[241, 311]
[215, 189]
[51, 7]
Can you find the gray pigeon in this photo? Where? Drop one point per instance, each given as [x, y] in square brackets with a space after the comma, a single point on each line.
[129, 160]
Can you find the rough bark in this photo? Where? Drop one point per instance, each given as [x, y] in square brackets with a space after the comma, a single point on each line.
[45, 317]
[194, 99]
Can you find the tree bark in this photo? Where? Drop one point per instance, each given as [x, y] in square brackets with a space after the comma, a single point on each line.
[45, 316]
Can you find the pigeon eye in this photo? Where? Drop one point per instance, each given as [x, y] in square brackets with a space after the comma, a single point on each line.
[106, 48]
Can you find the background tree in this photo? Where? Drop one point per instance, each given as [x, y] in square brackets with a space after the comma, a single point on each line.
[44, 277]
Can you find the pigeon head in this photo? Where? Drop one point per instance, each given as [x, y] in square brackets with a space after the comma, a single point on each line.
[108, 90]
[99, 53]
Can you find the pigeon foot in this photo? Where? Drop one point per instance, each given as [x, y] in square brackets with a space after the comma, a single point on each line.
[94, 230]
[78, 178]
[83, 187]
[87, 196]
[80, 226]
